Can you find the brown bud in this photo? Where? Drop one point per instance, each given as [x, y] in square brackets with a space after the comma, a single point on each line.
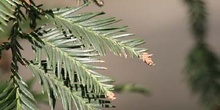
[147, 58]
[111, 96]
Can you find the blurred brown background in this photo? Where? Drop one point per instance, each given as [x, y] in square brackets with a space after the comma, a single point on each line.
[164, 26]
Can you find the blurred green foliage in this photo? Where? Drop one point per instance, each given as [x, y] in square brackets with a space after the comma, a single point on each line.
[202, 65]
[131, 88]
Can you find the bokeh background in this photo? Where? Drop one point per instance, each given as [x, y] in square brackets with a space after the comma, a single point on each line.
[164, 25]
